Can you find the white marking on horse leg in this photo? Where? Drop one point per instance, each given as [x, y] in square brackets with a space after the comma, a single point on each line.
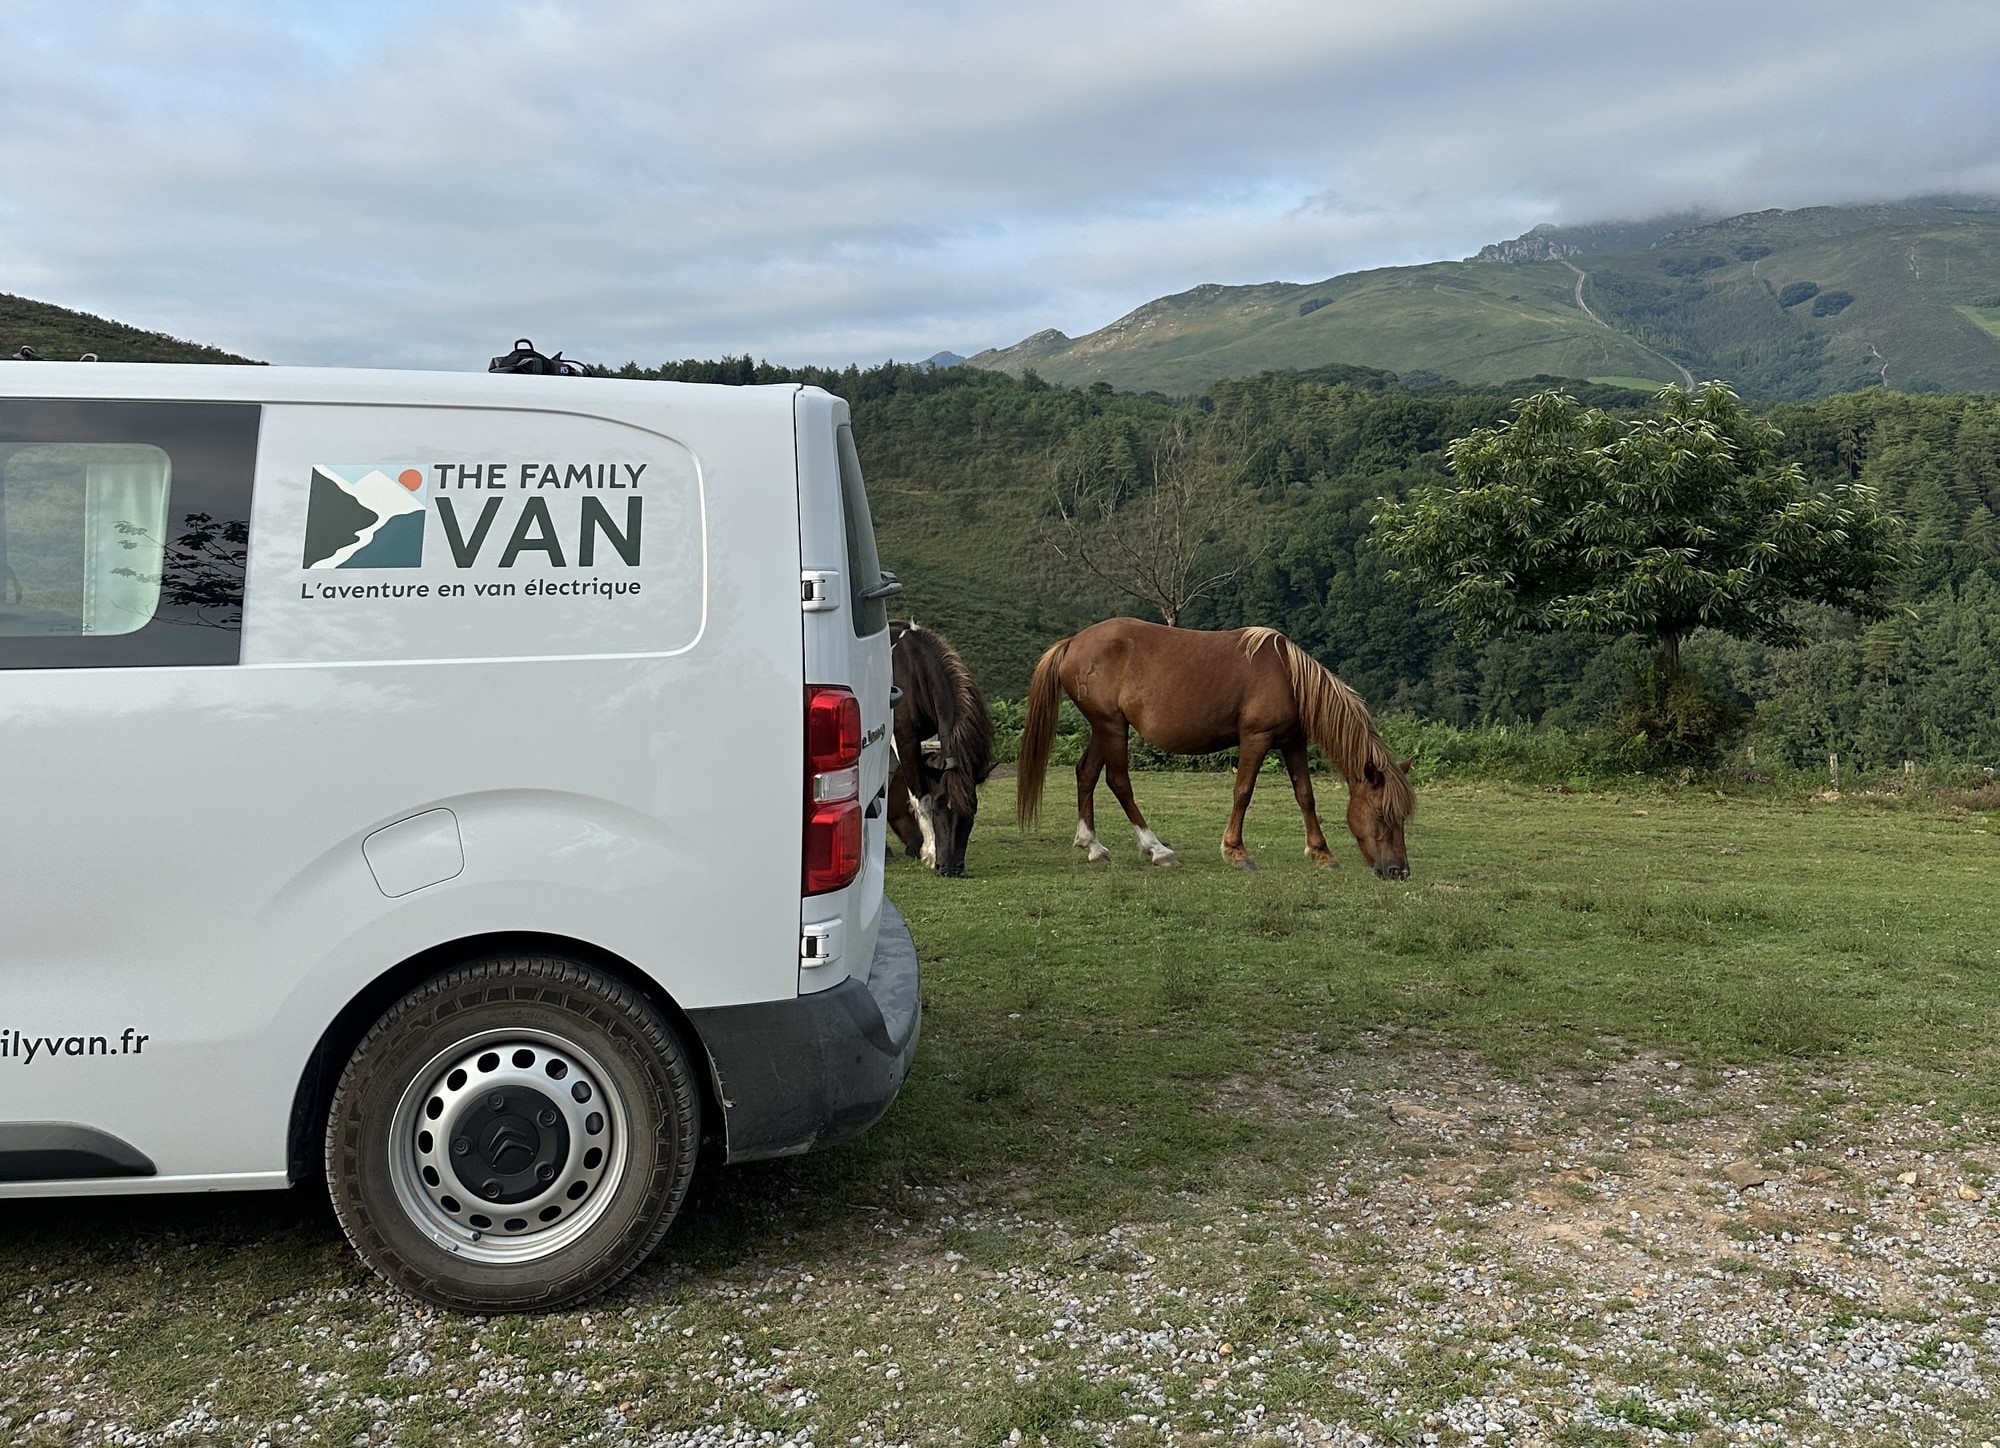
[920, 806]
[1152, 849]
[1090, 844]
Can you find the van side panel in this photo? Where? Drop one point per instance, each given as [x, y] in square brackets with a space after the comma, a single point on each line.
[186, 864]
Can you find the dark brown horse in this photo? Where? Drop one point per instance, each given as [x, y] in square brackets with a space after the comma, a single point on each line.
[1190, 692]
[944, 748]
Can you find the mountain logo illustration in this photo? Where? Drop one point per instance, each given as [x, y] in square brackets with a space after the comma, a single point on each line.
[367, 515]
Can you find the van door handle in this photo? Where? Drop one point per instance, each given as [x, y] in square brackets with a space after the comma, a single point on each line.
[888, 585]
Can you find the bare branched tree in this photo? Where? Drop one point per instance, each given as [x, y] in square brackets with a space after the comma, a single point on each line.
[1162, 544]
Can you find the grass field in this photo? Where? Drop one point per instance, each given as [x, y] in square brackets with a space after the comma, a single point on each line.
[1190, 1155]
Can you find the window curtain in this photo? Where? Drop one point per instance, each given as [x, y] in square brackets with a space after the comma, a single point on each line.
[124, 536]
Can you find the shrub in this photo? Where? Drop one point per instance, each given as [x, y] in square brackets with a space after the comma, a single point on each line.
[1796, 292]
[1687, 724]
[1522, 754]
[1828, 303]
[1691, 266]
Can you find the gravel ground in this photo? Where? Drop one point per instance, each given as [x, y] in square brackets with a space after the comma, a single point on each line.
[1659, 1255]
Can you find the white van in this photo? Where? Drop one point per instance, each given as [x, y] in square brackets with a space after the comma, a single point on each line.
[469, 786]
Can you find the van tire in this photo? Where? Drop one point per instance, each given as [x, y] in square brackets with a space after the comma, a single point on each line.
[546, 1020]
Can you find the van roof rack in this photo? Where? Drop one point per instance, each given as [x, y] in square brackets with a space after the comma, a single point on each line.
[524, 358]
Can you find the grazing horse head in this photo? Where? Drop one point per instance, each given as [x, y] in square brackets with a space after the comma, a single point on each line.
[944, 748]
[1379, 800]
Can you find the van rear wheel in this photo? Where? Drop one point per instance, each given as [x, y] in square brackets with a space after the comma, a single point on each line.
[517, 1132]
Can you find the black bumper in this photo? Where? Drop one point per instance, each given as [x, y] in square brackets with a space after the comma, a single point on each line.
[797, 1075]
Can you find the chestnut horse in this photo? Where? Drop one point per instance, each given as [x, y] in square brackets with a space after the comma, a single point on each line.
[1192, 692]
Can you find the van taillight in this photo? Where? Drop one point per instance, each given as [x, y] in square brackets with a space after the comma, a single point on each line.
[833, 729]
[833, 788]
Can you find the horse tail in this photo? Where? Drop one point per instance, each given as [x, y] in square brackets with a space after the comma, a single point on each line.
[1338, 722]
[1044, 700]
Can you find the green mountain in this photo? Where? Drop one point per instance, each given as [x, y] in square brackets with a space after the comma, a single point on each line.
[1784, 304]
[58, 334]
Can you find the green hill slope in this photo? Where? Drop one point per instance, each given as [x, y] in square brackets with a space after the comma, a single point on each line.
[59, 334]
[1489, 323]
[1910, 296]
[1884, 296]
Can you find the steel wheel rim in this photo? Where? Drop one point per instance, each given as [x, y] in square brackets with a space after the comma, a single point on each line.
[450, 1145]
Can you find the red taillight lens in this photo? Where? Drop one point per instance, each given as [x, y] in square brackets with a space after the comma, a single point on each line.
[833, 729]
[833, 846]
[833, 788]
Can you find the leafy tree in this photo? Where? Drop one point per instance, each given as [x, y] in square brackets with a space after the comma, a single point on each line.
[1569, 519]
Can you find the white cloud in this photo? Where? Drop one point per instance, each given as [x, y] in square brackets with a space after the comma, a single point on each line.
[381, 184]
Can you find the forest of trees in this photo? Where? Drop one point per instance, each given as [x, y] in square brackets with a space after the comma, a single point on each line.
[963, 467]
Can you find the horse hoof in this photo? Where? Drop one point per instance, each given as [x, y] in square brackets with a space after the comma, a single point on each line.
[1098, 854]
[1166, 857]
[1246, 863]
[1324, 862]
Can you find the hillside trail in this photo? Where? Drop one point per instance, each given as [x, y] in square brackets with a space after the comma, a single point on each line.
[1687, 377]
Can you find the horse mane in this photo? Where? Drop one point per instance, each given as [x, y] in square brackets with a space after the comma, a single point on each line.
[1338, 722]
[946, 692]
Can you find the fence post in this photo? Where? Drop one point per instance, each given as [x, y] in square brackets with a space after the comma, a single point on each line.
[1752, 751]
[1909, 769]
[1833, 768]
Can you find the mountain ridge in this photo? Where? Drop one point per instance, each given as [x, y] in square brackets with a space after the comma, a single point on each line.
[1633, 303]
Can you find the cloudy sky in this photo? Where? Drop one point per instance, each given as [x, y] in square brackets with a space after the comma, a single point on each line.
[416, 183]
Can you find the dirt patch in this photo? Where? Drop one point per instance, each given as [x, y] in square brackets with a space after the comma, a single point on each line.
[1481, 1260]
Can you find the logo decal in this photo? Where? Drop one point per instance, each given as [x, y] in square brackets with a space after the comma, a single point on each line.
[368, 515]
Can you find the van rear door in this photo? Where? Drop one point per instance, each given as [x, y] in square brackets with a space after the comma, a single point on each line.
[844, 596]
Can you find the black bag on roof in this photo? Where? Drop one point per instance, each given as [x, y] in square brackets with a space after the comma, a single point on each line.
[524, 358]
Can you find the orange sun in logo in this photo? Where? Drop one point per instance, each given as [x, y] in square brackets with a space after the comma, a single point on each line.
[410, 478]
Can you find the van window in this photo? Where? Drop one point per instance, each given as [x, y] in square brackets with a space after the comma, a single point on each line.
[124, 531]
[81, 530]
[864, 565]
